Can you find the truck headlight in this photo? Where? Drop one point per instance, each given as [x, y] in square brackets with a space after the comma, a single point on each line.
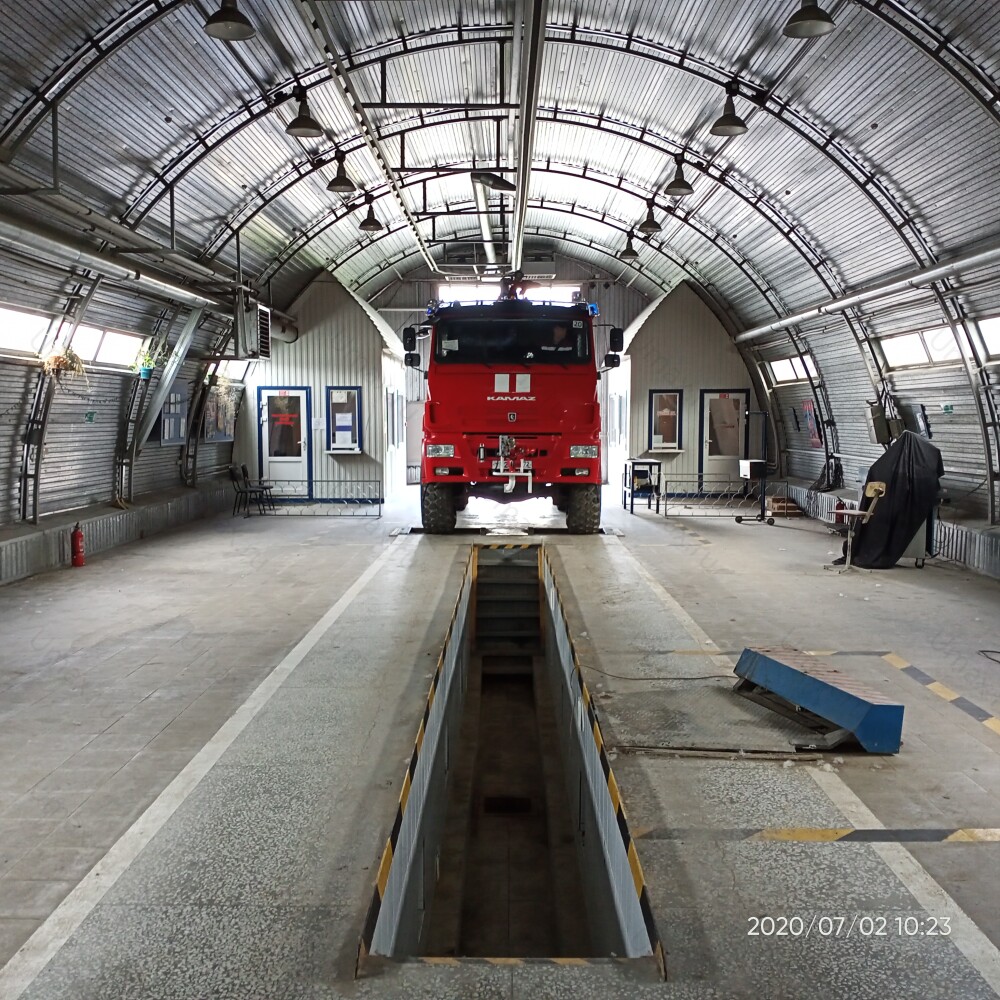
[440, 451]
[583, 451]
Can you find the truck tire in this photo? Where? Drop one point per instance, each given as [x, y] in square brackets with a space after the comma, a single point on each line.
[583, 511]
[437, 508]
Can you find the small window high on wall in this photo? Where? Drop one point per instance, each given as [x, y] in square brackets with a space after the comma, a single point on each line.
[21, 331]
[796, 369]
[990, 329]
[933, 346]
[665, 416]
[343, 418]
[487, 291]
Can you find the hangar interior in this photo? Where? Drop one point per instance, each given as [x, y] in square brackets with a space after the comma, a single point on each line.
[215, 224]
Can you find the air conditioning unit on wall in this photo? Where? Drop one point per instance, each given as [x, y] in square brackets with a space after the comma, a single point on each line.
[253, 332]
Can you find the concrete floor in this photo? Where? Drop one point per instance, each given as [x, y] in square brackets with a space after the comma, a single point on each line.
[204, 734]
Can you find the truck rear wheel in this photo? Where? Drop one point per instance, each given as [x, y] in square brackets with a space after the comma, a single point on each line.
[437, 508]
[583, 511]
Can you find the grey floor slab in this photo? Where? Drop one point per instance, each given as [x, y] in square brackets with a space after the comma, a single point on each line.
[257, 885]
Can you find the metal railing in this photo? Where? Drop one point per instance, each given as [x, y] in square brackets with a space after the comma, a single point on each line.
[723, 498]
[324, 497]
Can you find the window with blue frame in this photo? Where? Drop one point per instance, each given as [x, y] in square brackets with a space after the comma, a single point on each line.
[343, 418]
[665, 419]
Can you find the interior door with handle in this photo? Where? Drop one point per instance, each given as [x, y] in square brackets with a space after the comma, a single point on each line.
[285, 419]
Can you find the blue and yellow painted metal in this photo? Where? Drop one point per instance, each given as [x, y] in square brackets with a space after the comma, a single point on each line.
[802, 680]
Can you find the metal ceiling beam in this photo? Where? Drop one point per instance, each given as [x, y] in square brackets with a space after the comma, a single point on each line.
[316, 21]
[529, 84]
[29, 236]
[915, 279]
[121, 237]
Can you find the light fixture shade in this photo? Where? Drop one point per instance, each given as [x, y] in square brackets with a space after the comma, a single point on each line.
[303, 124]
[370, 224]
[629, 253]
[730, 122]
[341, 183]
[492, 181]
[810, 21]
[229, 24]
[678, 187]
[649, 224]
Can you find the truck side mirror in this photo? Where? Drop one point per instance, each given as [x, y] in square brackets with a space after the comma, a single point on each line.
[409, 339]
[411, 359]
[617, 339]
[612, 361]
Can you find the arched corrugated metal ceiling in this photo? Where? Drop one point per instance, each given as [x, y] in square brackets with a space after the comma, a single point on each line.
[869, 151]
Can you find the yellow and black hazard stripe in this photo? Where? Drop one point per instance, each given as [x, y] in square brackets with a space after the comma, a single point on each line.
[502, 960]
[511, 545]
[981, 715]
[828, 835]
[638, 879]
[388, 852]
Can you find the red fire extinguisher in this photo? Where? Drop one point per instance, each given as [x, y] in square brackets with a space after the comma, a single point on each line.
[838, 517]
[76, 544]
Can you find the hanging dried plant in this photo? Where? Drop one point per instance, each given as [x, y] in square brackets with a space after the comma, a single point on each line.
[63, 362]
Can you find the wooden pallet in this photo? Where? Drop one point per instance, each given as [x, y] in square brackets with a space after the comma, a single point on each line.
[783, 507]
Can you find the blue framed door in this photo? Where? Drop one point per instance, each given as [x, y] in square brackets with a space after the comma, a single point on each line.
[284, 415]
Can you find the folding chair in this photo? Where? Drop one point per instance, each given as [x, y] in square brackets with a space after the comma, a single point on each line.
[244, 494]
[263, 485]
[850, 522]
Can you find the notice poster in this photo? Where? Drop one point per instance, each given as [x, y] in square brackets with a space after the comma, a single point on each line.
[812, 425]
[344, 429]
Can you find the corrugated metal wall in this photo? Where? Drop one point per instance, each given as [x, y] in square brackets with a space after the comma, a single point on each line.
[86, 418]
[78, 465]
[337, 345]
[17, 386]
[681, 345]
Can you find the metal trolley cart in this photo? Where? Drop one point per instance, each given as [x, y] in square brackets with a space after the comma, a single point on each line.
[755, 469]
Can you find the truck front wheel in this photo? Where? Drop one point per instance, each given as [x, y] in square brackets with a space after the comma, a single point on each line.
[437, 508]
[583, 511]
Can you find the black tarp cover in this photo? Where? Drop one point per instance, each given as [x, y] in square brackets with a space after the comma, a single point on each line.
[911, 469]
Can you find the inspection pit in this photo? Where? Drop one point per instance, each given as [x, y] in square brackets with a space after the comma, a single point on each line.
[510, 839]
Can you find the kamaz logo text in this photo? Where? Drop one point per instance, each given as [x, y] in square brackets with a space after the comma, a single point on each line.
[510, 399]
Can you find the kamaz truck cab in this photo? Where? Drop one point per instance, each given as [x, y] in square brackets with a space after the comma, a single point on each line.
[512, 409]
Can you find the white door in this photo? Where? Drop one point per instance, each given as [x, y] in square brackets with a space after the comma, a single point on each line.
[284, 435]
[723, 424]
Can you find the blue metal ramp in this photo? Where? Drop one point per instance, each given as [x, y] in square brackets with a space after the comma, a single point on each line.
[825, 699]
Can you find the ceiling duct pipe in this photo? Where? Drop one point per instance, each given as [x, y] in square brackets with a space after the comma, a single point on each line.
[915, 279]
[113, 232]
[530, 83]
[29, 238]
[482, 207]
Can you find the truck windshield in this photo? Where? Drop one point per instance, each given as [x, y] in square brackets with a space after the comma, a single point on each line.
[512, 341]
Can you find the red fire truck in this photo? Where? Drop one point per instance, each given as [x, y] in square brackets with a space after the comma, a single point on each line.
[512, 409]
